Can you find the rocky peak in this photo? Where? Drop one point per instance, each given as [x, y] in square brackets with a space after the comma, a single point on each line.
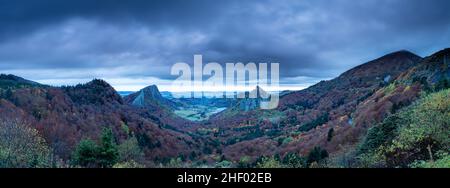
[152, 92]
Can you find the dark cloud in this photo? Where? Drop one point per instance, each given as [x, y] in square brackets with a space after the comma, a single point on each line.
[134, 39]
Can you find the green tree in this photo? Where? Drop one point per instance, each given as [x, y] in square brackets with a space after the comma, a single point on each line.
[109, 154]
[317, 154]
[313, 124]
[245, 162]
[380, 134]
[424, 134]
[269, 162]
[21, 146]
[128, 164]
[443, 83]
[89, 154]
[293, 160]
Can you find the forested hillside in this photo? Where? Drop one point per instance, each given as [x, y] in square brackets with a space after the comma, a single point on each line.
[393, 111]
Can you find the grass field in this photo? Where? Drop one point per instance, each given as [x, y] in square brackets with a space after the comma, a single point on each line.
[197, 112]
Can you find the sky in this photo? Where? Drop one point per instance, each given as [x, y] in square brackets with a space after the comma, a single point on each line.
[132, 44]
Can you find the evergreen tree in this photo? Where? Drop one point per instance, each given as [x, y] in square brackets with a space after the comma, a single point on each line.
[86, 153]
[109, 154]
[89, 154]
[330, 134]
[316, 155]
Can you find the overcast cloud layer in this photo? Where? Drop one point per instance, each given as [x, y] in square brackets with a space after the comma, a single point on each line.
[134, 43]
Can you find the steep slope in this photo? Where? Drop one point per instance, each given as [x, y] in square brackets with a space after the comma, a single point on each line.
[430, 75]
[303, 118]
[408, 84]
[415, 136]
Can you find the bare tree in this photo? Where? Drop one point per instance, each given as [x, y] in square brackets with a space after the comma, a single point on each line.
[21, 145]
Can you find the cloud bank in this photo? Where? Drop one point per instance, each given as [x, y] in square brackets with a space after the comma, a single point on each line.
[134, 43]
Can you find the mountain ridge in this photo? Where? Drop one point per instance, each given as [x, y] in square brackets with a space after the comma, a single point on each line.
[333, 115]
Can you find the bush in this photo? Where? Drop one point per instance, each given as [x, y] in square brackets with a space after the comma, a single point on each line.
[313, 124]
[330, 134]
[425, 133]
[317, 154]
[21, 146]
[175, 163]
[443, 162]
[380, 134]
[86, 154]
[128, 164]
[245, 162]
[224, 164]
[442, 84]
[89, 154]
[292, 160]
[269, 162]
[287, 140]
[129, 150]
[412, 137]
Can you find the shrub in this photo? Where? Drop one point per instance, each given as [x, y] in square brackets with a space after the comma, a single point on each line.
[269, 162]
[317, 154]
[443, 162]
[129, 150]
[287, 140]
[89, 154]
[442, 84]
[86, 153]
[412, 137]
[21, 146]
[174, 163]
[293, 160]
[425, 133]
[330, 134]
[224, 164]
[128, 164]
[380, 134]
[245, 162]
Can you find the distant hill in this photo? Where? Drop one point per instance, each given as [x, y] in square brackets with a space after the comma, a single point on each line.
[12, 81]
[94, 92]
[248, 103]
[124, 93]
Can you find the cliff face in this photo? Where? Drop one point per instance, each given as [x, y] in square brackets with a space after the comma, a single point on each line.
[149, 97]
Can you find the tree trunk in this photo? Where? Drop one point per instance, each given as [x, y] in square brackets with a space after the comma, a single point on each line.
[430, 153]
